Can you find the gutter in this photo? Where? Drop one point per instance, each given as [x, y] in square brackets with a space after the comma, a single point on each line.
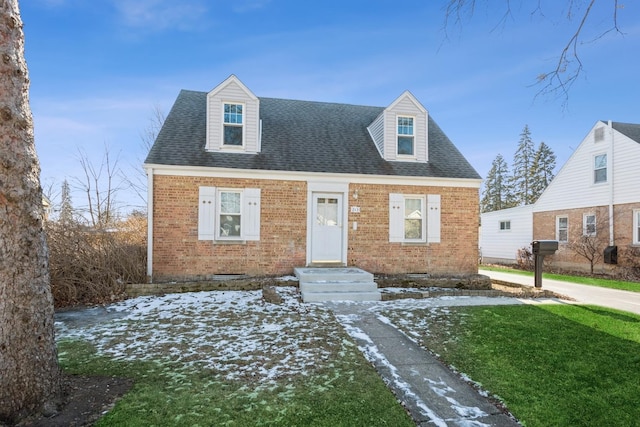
[611, 218]
[150, 225]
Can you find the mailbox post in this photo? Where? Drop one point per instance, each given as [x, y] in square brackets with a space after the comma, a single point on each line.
[540, 249]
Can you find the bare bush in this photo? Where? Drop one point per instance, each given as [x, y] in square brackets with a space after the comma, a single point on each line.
[631, 264]
[524, 258]
[92, 266]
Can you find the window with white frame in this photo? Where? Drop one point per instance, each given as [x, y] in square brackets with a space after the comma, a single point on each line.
[406, 136]
[505, 225]
[636, 227]
[414, 218]
[600, 169]
[229, 214]
[233, 125]
[589, 225]
[562, 229]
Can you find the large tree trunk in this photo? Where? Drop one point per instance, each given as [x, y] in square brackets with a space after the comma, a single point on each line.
[29, 374]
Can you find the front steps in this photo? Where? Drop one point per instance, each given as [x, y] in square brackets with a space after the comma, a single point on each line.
[336, 284]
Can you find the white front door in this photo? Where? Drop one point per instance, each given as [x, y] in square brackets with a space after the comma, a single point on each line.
[327, 228]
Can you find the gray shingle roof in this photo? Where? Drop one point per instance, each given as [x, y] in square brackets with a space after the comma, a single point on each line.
[629, 129]
[301, 136]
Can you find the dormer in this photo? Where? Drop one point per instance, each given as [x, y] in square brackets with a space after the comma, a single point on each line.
[233, 118]
[400, 131]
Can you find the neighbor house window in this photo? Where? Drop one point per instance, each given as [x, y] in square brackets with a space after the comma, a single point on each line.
[233, 124]
[562, 229]
[406, 136]
[589, 225]
[505, 225]
[636, 227]
[600, 169]
[414, 218]
[229, 214]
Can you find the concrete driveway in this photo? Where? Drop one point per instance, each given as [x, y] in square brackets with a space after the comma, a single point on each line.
[612, 298]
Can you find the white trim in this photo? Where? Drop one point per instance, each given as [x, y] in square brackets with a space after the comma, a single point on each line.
[204, 171]
[328, 187]
[593, 168]
[558, 218]
[636, 226]
[150, 224]
[584, 225]
[232, 79]
[233, 148]
[414, 121]
[505, 222]
[413, 99]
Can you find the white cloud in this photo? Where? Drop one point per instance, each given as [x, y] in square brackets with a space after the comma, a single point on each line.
[249, 5]
[159, 15]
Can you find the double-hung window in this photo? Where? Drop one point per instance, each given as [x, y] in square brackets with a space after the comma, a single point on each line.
[562, 229]
[414, 218]
[229, 214]
[589, 225]
[636, 227]
[233, 125]
[406, 136]
[600, 169]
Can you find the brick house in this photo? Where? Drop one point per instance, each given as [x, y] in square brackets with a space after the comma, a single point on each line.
[594, 198]
[245, 185]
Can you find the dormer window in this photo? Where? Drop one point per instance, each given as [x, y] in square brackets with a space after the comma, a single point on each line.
[233, 125]
[406, 136]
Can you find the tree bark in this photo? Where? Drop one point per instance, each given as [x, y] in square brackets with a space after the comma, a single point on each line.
[29, 373]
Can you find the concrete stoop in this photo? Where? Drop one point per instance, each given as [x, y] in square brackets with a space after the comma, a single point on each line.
[336, 284]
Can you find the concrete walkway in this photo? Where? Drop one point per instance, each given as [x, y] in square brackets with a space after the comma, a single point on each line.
[433, 394]
[612, 298]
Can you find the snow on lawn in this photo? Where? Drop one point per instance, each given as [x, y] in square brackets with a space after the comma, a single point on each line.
[235, 334]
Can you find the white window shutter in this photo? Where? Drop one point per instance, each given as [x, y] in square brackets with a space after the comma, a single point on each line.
[251, 214]
[433, 218]
[396, 217]
[206, 213]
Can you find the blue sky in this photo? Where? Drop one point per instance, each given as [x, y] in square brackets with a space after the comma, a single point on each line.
[99, 68]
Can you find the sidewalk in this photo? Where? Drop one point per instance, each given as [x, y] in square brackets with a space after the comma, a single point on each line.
[433, 394]
[612, 298]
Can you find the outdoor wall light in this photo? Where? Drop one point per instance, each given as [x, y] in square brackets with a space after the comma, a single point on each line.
[355, 195]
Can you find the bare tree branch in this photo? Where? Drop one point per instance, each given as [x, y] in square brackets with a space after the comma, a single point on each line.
[569, 66]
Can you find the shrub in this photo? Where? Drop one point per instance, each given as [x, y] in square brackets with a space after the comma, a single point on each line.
[524, 258]
[91, 266]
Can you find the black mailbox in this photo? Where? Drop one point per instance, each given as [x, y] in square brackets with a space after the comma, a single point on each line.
[544, 247]
[611, 255]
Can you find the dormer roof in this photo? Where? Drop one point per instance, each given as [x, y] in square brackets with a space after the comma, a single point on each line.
[302, 136]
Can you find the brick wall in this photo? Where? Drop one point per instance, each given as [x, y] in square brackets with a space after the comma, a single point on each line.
[544, 228]
[369, 247]
[179, 255]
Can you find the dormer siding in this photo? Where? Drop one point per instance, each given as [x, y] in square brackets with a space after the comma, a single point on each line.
[232, 91]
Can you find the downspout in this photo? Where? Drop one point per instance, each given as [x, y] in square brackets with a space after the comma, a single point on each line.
[611, 219]
[150, 225]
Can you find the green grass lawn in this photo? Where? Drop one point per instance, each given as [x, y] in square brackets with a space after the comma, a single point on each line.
[552, 365]
[228, 359]
[347, 393]
[591, 281]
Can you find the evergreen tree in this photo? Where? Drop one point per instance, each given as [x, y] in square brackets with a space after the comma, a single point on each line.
[66, 209]
[544, 163]
[497, 192]
[522, 178]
